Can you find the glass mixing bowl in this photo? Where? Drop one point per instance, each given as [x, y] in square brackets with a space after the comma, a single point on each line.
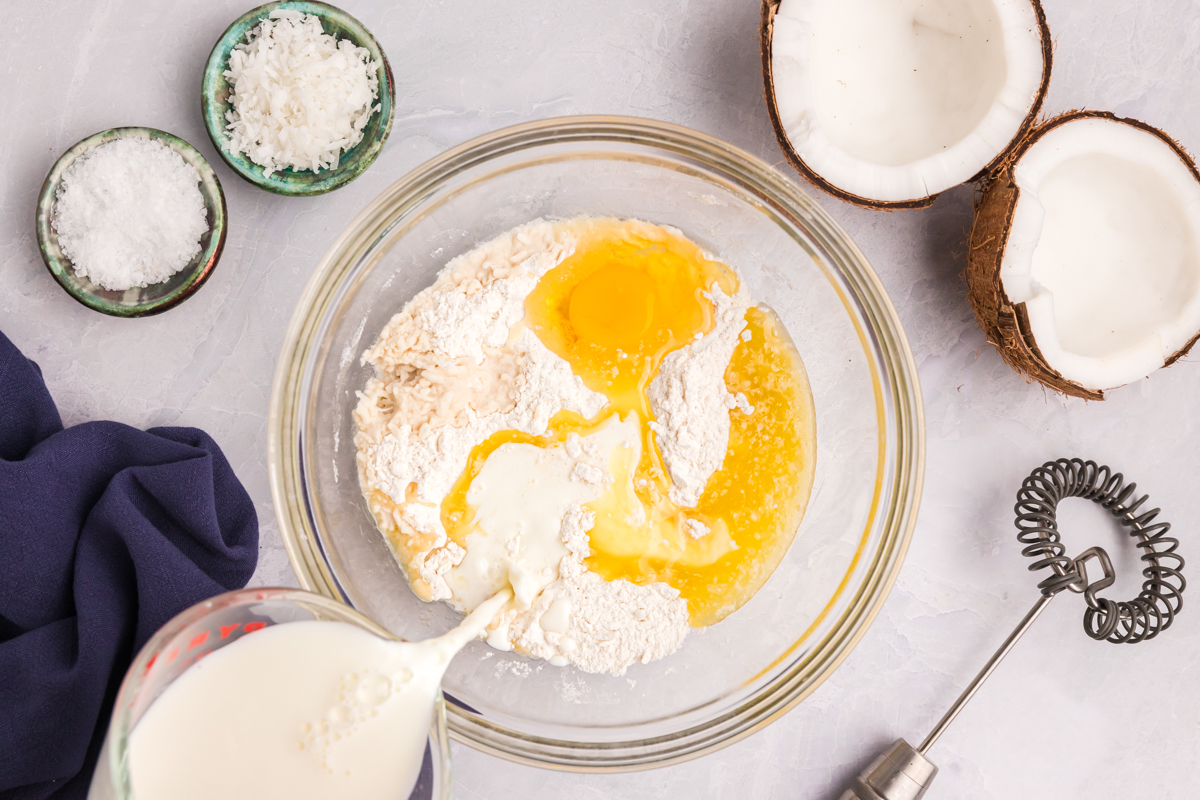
[727, 680]
[209, 626]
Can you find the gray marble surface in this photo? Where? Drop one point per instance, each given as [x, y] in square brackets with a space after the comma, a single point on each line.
[1063, 717]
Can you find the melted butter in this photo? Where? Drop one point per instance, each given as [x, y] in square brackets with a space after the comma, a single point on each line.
[629, 295]
[753, 504]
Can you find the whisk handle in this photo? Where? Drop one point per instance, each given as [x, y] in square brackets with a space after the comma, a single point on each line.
[899, 773]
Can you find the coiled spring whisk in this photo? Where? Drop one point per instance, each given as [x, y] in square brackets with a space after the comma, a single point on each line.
[1161, 598]
[903, 772]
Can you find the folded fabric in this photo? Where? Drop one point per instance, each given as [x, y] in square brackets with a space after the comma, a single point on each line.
[106, 532]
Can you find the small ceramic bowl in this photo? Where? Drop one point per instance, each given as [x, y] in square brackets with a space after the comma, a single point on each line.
[158, 297]
[216, 90]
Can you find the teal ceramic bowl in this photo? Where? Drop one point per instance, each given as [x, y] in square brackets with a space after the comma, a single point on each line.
[216, 90]
[158, 297]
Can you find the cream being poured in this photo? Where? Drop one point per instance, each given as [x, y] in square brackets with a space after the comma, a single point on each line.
[305, 710]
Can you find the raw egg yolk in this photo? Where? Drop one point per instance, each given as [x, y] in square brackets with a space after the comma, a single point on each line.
[630, 294]
[613, 307]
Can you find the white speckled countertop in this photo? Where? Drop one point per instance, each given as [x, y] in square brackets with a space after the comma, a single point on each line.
[1063, 717]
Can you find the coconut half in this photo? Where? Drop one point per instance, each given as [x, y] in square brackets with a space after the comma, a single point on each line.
[1084, 264]
[886, 103]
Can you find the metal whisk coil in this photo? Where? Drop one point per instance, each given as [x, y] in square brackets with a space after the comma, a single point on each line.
[904, 772]
[1161, 598]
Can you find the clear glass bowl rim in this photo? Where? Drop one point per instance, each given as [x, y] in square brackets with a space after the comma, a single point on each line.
[406, 197]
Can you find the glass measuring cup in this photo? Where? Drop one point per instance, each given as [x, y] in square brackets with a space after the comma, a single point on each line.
[209, 626]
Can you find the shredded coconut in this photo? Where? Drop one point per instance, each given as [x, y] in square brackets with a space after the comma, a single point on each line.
[691, 404]
[130, 213]
[300, 97]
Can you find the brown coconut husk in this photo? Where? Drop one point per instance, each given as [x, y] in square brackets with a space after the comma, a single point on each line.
[1006, 324]
[766, 33]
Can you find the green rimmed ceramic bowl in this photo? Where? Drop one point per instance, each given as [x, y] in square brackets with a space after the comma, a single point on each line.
[216, 90]
[158, 297]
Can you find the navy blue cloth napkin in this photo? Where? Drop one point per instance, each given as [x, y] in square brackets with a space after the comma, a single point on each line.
[106, 532]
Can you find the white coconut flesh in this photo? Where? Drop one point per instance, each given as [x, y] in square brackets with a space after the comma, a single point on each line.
[896, 100]
[1103, 251]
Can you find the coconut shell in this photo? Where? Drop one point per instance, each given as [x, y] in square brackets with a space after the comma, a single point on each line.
[766, 33]
[1006, 324]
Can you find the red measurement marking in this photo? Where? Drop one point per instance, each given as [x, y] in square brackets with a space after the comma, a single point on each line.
[198, 640]
[228, 629]
[173, 653]
[251, 627]
[150, 663]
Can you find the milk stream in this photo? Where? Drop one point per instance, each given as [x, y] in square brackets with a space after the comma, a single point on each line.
[303, 710]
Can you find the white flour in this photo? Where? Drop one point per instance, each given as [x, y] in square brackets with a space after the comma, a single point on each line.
[454, 367]
[691, 404]
[463, 320]
[434, 457]
[597, 625]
